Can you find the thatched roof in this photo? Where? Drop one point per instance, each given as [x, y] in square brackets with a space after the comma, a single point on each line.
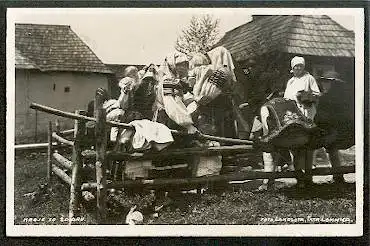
[304, 34]
[54, 48]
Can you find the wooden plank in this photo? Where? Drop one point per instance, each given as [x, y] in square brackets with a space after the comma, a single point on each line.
[101, 141]
[76, 195]
[61, 139]
[221, 150]
[191, 182]
[50, 151]
[36, 123]
[36, 146]
[64, 162]
[69, 115]
[73, 116]
[67, 132]
[168, 167]
[61, 174]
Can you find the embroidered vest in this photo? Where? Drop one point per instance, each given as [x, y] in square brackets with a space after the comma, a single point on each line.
[288, 127]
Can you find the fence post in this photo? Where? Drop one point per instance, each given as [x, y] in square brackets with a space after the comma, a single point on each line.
[36, 122]
[50, 151]
[57, 131]
[101, 141]
[75, 199]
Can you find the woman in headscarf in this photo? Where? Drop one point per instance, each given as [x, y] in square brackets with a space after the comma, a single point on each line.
[211, 110]
[169, 106]
[303, 89]
[145, 94]
[211, 91]
[170, 110]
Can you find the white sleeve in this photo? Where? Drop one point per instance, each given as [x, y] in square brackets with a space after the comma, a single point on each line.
[314, 86]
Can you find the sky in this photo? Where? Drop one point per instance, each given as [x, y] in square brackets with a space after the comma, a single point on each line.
[144, 36]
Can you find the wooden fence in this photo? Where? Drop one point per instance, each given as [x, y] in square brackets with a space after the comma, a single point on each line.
[79, 141]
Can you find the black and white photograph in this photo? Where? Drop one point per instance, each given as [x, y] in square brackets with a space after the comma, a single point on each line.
[185, 121]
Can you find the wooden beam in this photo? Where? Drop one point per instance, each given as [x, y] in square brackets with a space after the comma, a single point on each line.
[69, 115]
[36, 146]
[50, 151]
[61, 174]
[168, 167]
[189, 182]
[221, 150]
[76, 195]
[73, 116]
[61, 139]
[101, 141]
[67, 132]
[64, 162]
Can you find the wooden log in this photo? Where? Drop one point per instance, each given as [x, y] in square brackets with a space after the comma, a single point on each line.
[57, 130]
[36, 146]
[64, 162]
[239, 116]
[67, 132]
[69, 115]
[223, 139]
[221, 150]
[76, 195]
[50, 151]
[191, 182]
[73, 116]
[36, 123]
[169, 167]
[61, 139]
[101, 141]
[61, 174]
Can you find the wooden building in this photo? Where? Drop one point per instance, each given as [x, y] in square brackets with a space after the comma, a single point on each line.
[53, 67]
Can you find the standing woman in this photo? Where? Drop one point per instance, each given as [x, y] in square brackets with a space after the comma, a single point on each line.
[304, 90]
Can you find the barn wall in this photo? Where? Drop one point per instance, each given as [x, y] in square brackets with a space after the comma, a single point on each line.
[51, 88]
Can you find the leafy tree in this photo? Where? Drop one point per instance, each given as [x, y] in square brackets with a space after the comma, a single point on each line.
[200, 36]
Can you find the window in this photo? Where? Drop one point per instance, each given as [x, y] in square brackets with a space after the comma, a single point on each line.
[66, 89]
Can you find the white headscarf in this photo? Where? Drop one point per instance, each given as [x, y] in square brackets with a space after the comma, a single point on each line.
[297, 60]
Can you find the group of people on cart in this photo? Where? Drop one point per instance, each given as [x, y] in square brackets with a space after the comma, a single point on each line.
[195, 93]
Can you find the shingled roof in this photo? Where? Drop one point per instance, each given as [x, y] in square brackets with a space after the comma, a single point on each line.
[303, 34]
[54, 48]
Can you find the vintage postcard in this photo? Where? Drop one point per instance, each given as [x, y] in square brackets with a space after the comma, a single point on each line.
[185, 122]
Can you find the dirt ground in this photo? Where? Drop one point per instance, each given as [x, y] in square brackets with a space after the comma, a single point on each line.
[240, 203]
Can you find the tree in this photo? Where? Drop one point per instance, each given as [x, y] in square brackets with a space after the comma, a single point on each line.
[200, 36]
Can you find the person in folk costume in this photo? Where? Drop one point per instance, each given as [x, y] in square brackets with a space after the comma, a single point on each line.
[145, 94]
[304, 90]
[169, 107]
[212, 86]
[170, 110]
[337, 96]
[211, 104]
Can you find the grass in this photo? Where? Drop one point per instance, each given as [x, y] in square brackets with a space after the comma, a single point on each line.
[239, 204]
